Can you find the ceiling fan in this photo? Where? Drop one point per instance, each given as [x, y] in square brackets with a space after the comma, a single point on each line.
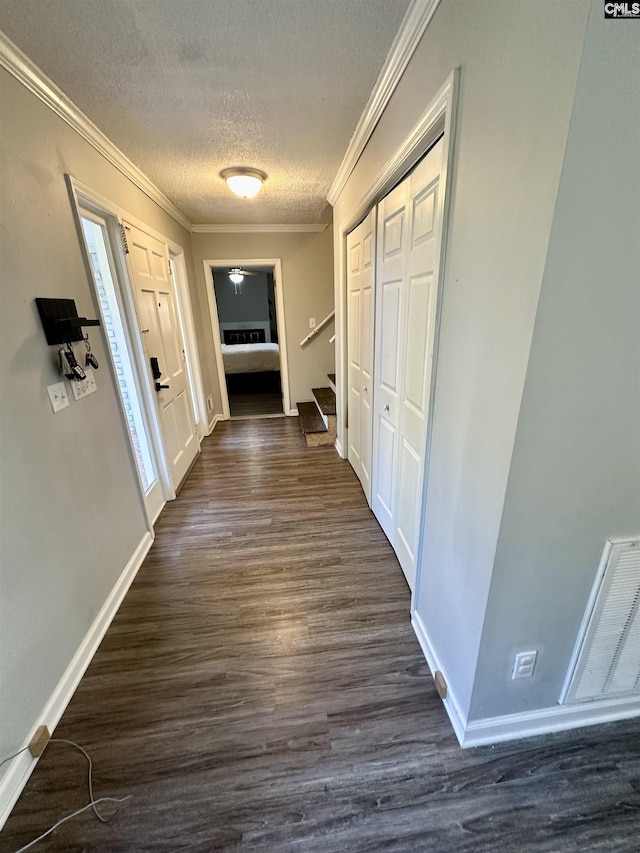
[237, 275]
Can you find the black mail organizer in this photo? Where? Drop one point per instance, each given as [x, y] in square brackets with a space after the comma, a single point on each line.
[60, 320]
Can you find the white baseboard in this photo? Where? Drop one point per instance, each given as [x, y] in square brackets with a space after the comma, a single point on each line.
[157, 516]
[339, 449]
[491, 730]
[452, 707]
[213, 422]
[22, 766]
[558, 718]
[292, 413]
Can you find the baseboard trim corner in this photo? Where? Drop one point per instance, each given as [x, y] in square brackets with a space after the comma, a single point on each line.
[213, 422]
[557, 718]
[23, 765]
[451, 704]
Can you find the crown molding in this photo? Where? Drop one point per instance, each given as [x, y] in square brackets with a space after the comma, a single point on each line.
[28, 73]
[414, 23]
[256, 229]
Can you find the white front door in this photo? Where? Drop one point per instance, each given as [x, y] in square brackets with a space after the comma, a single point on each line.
[409, 227]
[164, 349]
[126, 368]
[360, 279]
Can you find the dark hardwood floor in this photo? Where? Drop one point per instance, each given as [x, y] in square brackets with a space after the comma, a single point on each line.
[261, 689]
[255, 405]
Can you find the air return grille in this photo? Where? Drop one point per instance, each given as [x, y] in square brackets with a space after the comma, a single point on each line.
[608, 659]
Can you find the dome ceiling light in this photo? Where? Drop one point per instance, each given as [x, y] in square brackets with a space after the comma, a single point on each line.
[237, 277]
[244, 182]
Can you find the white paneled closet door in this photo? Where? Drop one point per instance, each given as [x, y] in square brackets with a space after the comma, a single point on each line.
[360, 281]
[408, 248]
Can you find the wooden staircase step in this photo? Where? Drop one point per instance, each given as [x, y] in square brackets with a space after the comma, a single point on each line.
[326, 400]
[317, 428]
[310, 418]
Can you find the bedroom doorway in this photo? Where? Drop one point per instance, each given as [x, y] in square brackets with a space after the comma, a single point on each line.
[246, 309]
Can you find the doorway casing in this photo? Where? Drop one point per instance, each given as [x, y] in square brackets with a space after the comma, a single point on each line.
[83, 197]
[438, 120]
[209, 266]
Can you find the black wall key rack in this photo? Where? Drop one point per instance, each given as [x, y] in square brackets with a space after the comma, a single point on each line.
[60, 320]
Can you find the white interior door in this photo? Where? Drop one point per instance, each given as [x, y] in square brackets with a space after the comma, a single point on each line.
[360, 280]
[409, 229]
[162, 340]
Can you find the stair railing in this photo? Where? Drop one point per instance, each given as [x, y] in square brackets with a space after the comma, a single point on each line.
[315, 332]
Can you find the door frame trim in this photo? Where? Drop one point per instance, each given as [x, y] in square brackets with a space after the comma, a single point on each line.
[276, 263]
[181, 283]
[82, 206]
[438, 118]
[82, 195]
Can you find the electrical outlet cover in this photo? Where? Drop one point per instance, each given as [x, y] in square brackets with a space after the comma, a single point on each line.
[58, 396]
[524, 664]
[85, 386]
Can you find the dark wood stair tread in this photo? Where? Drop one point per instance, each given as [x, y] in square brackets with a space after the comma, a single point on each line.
[332, 377]
[310, 418]
[326, 400]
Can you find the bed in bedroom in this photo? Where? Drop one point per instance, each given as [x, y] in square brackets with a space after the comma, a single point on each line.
[251, 364]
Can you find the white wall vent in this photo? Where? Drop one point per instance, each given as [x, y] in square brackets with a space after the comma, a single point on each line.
[606, 660]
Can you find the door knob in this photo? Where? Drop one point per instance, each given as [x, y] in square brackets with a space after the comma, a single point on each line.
[386, 407]
[159, 386]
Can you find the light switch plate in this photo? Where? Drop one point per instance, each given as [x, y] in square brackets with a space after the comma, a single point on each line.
[85, 386]
[58, 396]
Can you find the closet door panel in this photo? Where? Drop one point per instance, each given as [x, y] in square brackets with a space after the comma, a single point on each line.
[408, 253]
[360, 279]
[366, 414]
[408, 504]
[388, 354]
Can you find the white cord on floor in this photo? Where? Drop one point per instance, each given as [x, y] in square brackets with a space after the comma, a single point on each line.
[8, 758]
[90, 805]
[73, 814]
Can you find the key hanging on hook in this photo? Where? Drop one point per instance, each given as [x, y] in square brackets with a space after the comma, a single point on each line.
[91, 360]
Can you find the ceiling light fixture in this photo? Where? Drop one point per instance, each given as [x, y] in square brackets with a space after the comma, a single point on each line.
[237, 278]
[244, 182]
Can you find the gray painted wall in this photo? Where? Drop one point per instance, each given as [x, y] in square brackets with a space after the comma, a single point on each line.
[307, 289]
[575, 474]
[251, 304]
[518, 65]
[70, 509]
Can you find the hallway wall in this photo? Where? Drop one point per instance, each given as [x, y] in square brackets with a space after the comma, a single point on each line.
[69, 503]
[307, 281]
[519, 63]
[575, 473]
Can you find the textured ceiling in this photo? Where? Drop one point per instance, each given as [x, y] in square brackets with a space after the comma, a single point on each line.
[186, 88]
